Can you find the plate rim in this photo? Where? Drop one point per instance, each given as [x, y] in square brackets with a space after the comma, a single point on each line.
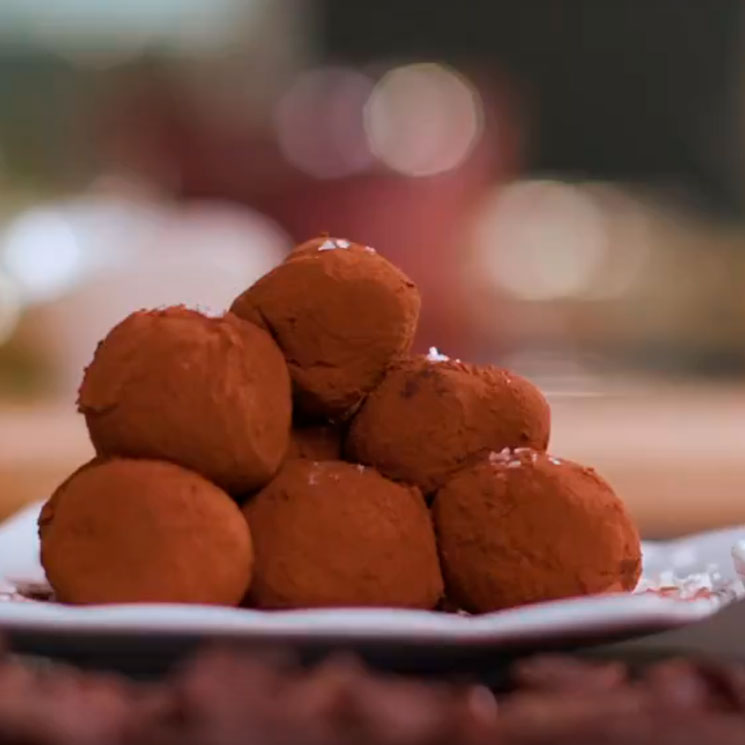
[589, 616]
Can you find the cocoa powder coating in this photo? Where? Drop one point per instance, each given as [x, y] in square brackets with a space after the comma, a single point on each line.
[131, 531]
[337, 534]
[341, 315]
[429, 418]
[211, 394]
[522, 527]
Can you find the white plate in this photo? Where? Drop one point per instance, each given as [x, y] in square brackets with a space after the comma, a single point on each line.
[576, 621]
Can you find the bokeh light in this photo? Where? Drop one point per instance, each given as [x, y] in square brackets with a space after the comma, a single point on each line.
[423, 119]
[542, 240]
[85, 264]
[42, 253]
[319, 122]
[242, 243]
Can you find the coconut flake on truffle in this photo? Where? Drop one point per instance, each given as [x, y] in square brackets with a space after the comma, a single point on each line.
[513, 457]
[435, 356]
[504, 456]
[520, 452]
[332, 243]
[707, 585]
[313, 475]
[205, 310]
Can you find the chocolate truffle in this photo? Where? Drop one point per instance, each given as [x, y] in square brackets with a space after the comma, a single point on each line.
[522, 526]
[211, 394]
[130, 531]
[337, 534]
[322, 442]
[341, 314]
[430, 416]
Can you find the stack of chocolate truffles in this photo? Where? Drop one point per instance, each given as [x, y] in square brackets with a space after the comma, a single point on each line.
[294, 453]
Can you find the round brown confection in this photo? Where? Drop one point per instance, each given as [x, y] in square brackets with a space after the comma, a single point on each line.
[341, 314]
[430, 417]
[522, 527]
[211, 394]
[130, 531]
[337, 534]
[321, 442]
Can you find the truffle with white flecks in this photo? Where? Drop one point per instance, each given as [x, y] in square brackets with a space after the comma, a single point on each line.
[520, 526]
[341, 313]
[329, 533]
[430, 417]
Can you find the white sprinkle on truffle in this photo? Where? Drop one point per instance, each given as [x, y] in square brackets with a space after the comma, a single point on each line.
[360, 468]
[502, 457]
[205, 310]
[555, 461]
[370, 250]
[709, 585]
[332, 243]
[514, 464]
[435, 356]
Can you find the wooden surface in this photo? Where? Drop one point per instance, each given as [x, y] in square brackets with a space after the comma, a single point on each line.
[39, 447]
[676, 455]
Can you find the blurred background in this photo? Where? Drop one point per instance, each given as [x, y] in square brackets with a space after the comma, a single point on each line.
[564, 179]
